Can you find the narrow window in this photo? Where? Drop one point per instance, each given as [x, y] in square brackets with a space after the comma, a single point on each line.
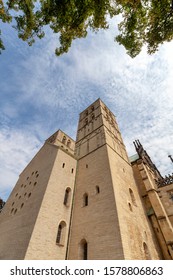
[97, 189]
[68, 143]
[60, 239]
[132, 197]
[67, 196]
[21, 205]
[29, 195]
[83, 250]
[85, 199]
[72, 170]
[146, 251]
[130, 207]
[63, 165]
[64, 139]
[86, 165]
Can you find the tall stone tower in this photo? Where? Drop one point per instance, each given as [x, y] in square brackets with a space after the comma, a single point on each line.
[39, 207]
[108, 220]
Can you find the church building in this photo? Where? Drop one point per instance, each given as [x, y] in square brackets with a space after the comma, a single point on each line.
[87, 200]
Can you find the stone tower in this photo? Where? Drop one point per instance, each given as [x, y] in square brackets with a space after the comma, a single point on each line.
[40, 204]
[108, 220]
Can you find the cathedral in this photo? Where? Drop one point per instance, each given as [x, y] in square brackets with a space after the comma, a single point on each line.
[87, 200]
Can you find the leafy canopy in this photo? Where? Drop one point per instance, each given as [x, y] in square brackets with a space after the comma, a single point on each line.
[144, 22]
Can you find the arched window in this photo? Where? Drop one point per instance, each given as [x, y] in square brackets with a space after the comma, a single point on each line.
[97, 189]
[67, 196]
[60, 238]
[130, 206]
[146, 251]
[83, 250]
[132, 197]
[85, 199]
[64, 139]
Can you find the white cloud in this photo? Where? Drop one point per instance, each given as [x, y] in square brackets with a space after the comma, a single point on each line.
[52, 91]
[17, 148]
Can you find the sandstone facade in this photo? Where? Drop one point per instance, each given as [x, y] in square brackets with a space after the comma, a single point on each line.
[88, 200]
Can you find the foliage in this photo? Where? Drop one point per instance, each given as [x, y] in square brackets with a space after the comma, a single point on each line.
[2, 203]
[144, 22]
[4, 17]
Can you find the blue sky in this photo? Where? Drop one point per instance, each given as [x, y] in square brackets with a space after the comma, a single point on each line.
[41, 93]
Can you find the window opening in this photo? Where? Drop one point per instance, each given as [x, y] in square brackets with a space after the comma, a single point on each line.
[59, 234]
[83, 250]
[97, 189]
[130, 206]
[67, 196]
[132, 197]
[63, 165]
[68, 143]
[64, 139]
[146, 251]
[60, 239]
[85, 199]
